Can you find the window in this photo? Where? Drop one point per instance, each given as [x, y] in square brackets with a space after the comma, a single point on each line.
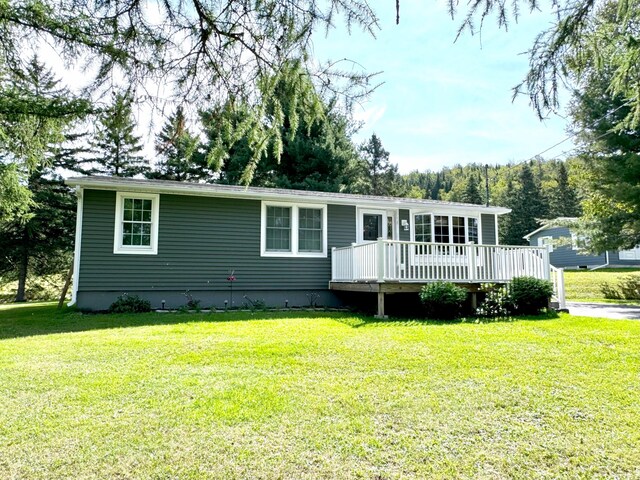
[278, 229]
[633, 254]
[472, 230]
[291, 230]
[544, 241]
[445, 229]
[458, 233]
[441, 229]
[310, 230]
[423, 228]
[136, 226]
[371, 227]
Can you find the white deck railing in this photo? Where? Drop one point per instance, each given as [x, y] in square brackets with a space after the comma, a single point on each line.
[391, 260]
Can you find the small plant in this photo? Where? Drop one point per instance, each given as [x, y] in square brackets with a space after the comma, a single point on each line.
[130, 304]
[610, 292]
[443, 300]
[313, 299]
[192, 303]
[630, 287]
[530, 295]
[254, 305]
[497, 301]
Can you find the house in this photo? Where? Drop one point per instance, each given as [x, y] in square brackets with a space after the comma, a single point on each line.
[163, 239]
[565, 250]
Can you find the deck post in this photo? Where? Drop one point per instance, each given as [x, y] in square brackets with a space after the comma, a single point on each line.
[547, 262]
[354, 262]
[562, 303]
[380, 306]
[471, 261]
[333, 263]
[380, 262]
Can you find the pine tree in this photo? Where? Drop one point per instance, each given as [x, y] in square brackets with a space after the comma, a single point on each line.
[381, 175]
[116, 145]
[40, 239]
[563, 200]
[471, 192]
[527, 205]
[178, 150]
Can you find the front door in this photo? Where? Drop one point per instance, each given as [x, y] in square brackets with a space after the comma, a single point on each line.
[374, 224]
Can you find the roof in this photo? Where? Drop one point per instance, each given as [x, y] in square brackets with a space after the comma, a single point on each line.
[276, 194]
[555, 223]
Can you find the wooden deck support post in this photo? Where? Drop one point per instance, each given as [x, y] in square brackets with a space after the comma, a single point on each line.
[381, 306]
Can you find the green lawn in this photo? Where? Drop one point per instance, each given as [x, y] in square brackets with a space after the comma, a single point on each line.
[315, 396]
[584, 285]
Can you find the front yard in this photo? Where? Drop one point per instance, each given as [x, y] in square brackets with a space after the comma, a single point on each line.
[301, 395]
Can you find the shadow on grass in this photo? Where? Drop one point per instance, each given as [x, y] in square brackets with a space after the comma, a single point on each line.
[31, 319]
[358, 321]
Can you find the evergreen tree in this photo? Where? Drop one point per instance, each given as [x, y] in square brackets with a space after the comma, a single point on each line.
[180, 159]
[471, 192]
[380, 175]
[315, 153]
[563, 200]
[527, 205]
[40, 238]
[116, 145]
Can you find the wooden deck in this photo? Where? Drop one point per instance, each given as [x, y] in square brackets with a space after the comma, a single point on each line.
[389, 266]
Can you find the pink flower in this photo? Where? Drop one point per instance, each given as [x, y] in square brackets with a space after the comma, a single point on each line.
[231, 278]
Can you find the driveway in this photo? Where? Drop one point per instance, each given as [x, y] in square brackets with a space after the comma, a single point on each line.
[604, 310]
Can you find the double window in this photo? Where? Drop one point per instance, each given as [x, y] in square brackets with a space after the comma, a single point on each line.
[293, 230]
[136, 227]
[445, 228]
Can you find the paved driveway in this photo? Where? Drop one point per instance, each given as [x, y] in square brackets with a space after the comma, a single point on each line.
[604, 310]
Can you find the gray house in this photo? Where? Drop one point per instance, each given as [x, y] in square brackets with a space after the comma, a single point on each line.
[162, 239]
[565, 250]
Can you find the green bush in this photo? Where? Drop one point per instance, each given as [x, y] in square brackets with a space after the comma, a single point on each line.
[610, 292]
[130, 304]
[530, 295]
[443, 300]
[497, 301]
[630, 287]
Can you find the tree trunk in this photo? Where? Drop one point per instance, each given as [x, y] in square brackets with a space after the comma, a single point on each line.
[65, 289]
[22, 268]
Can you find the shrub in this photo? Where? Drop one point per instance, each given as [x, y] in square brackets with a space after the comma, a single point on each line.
[530, 295]
[630, 287]
[610, 292]
[497, 302]
[130, 304]
[192, 303]
[443, 300]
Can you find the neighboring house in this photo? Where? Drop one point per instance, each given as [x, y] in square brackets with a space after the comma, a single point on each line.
[566, 252]
[160, 239]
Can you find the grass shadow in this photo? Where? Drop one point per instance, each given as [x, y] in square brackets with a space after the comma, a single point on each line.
[359, 321]
[31, 319]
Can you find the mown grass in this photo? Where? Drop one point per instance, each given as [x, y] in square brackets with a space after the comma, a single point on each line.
[585, 285]
[317, 395]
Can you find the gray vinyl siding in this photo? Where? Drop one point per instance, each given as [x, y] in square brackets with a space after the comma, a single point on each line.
[200, 241]
[614, 259]
[488, 229]
[404, 235]
[563, 256]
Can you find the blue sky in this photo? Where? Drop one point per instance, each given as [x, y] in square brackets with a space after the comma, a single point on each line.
[444, 103]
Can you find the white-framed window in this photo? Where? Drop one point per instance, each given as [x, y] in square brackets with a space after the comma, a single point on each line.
[428, 227]
[546, 240]
[136, 226]
[293, 230]
[632, 254]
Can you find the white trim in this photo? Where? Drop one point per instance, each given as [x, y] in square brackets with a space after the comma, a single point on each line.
[480, 239]
[385, 212]
[266, 194]
[295, 207]
[77, 247]
[495, 219]
[152, 249]
[546, 241]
